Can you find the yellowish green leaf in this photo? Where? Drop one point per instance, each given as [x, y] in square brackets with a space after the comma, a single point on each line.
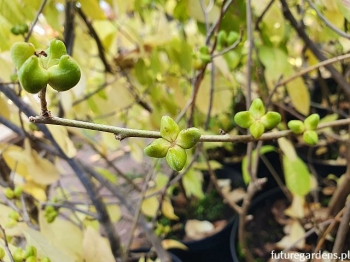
[150, 206]
[35, 190]
[95, 247]
[203, 165]
[60, 135]
[296, 209]
[92, 9]
[192, 182]
[168, 210]
[4, 218]
[287, 148]
[195, 11]
[171, 243]
[114, 212]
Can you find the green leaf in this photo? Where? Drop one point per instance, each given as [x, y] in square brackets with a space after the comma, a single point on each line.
[263, 150]
[192, 182]
[107, 174]
[297, 176]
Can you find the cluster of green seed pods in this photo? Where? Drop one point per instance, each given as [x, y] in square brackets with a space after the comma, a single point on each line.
[28, 255]
[173, 143]
[54, 67]
[307, 128]
[256, 118]
[226, 40]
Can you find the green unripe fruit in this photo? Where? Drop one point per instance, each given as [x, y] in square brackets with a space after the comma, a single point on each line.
[49, 209]
[221, 39]
[257, 108]
[204, 50]
[310, 137]
[187, 138]
[176, 158]
[31, 259]
[18, 191]
[24, 28]
[45, 259]
[232, 37]
[2, 253]
[19, 29]
[311, 122]
[14, 215]
[205, 58]
[197, 63]
[158, 148]
[15, 30]
[32, 76]
[11, 223]
[65, 75]
[30, 252]
[270, 120]
[169, 129]
[20, 52]
[55, 51]
[50, 217]
[257, 129]
[9, 193]
[244, 119]
[296, 126]
[18, 255]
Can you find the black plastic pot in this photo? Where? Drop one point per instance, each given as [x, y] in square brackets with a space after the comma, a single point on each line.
[215, 248]
[265, 199]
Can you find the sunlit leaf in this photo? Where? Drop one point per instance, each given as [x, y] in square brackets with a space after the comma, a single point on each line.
[60, 135]
[171, 243]
[168, 210]
[192, 182]
[150, 206]
[95, 247]
[92, 9]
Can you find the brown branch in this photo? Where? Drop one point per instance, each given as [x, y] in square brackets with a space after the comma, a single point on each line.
[303, 35]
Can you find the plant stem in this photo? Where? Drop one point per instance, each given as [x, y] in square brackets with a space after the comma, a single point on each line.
[122, 133]
[6, 244]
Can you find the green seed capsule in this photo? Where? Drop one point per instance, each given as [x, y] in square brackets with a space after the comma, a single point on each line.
[310, 137]
[176, 158]
[9, 193]
[270, 120]
[30, 252]
[311, 122]
[158, 148]
[2, 253]
[18, 255]
[188, 138]
[169, 129]
[244, 119]
[296, 126]
[257, 129]
[257, 108]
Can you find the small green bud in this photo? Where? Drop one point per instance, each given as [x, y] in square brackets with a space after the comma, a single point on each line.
[11, 223]
[188, 138]
[158, 148]
[45, 259]
[310, 137]
[257, 108]
[205, 58]
[50, 217]
[176, 158]
[169, 129]
[30, 252]
[204, 50]
[31, 259]
[232, 37]
[49, 209]
[18, 191]
[244, 119]
[2, 253]
[14, 215]
[296, 126]
[311, 122]
[18, 255]
[9, 193]
[257, 129]
[270, 120]
[221, 39]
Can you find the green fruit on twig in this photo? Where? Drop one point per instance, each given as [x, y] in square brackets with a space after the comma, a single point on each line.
[32, 259]
[18, 255]
[187, 138]
[270, 119]
[30, 252]
[45, 259]
[65, 75]
[20, 52]
[20, 29]
[257, 129]
[232, 37]
[56, 50]
[296, 126]
[158, 148]
[169, 129]
[32, 76]
[14, 215]
[204, 50]
[244, 119]
[311, 122]
[11, 223]
[51, 216]
[221, 40]
[257, 108]
[9, 193]
[310, 137]
[18, 191]
[176, 158]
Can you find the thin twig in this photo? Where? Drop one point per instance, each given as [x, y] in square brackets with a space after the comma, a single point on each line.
[44, 112]
[30, 31]
[6, 246]
[122, 133]
[327, 22]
